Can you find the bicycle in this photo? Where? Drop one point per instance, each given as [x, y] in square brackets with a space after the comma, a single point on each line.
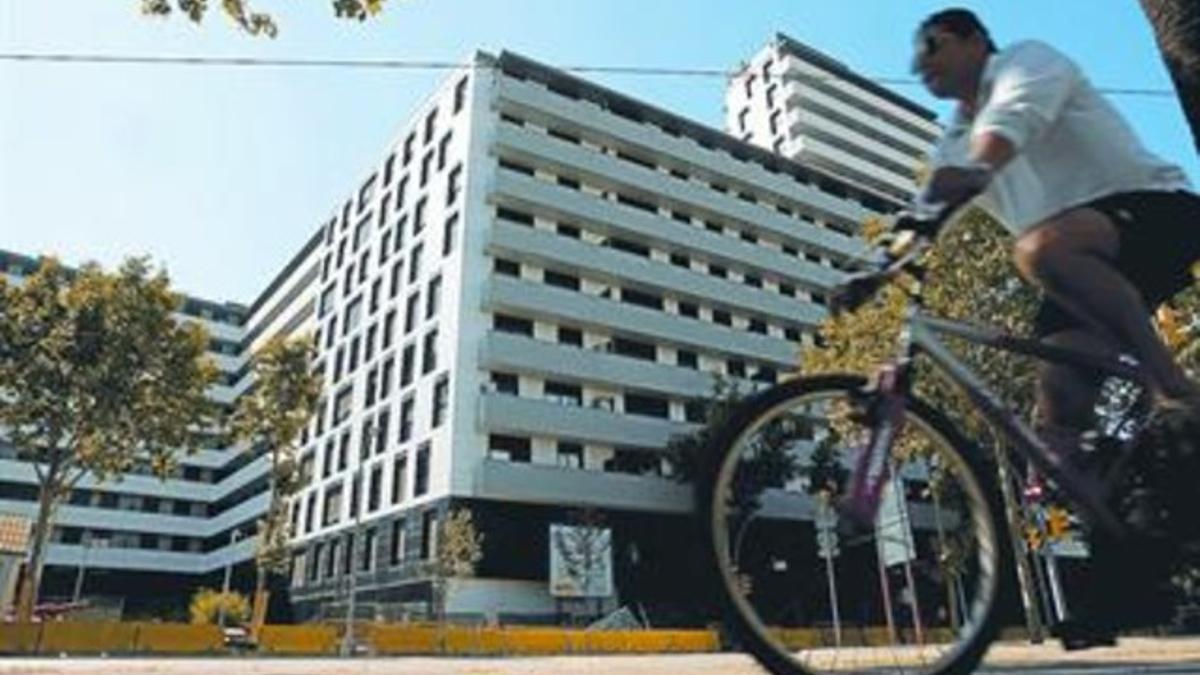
[879, 472]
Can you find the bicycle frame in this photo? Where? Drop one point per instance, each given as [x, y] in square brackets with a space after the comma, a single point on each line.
[920, 336]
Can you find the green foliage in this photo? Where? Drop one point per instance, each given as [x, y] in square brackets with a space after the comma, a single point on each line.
[206, 607]
[684, 451]
[970, 276]
[97, 376]
[255, 23]
[269, 418]
[458, 551]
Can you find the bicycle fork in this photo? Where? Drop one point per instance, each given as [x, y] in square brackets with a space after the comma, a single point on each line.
[872, 468]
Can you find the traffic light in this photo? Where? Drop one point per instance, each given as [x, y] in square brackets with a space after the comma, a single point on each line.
[1058, 523]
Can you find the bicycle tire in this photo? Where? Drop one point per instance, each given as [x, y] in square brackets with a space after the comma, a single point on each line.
[968, 653]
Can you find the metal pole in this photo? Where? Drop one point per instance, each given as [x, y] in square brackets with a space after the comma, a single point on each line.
[233, 537]
[1033, 615]
[348, 636]
[885, 587]
[914, 604]
[87, 546]
[1056, 591]
[826, 520]
[833, 598]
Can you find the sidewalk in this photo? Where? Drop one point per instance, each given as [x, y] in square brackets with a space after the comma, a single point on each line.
[1010, 654]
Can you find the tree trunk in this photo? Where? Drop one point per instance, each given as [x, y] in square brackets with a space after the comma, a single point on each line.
[32, 579]
[1176, 25]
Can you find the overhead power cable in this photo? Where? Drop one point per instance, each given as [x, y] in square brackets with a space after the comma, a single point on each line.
[406, 64]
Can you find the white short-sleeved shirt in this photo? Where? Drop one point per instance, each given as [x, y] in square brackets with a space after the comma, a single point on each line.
[1072, 145]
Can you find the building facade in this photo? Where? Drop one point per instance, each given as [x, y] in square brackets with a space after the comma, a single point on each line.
[812, 108]
[515, 310]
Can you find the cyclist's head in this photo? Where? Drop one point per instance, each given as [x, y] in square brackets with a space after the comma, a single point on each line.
[951, 49]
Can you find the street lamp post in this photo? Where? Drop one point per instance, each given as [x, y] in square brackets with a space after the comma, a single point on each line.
[348, 635]
[233, 539]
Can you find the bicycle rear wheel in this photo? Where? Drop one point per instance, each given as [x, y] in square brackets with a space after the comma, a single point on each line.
[809, 589]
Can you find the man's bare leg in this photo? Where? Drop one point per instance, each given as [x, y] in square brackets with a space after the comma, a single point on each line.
[1070, 257]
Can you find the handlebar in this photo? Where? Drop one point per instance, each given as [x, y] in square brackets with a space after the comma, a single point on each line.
[924, 220]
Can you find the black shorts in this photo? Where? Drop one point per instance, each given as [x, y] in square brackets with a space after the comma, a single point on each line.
[1159, 235]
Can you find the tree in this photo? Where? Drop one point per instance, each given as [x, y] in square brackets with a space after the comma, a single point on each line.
[458, 550]
[207, 605]
[970, 276]
[268, 419]
[97, 378]
[255, 23]
[1176, 25]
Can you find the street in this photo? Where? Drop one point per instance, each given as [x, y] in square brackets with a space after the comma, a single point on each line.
[1133, 655]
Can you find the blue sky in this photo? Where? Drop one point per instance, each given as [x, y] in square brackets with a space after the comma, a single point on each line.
[221, 173]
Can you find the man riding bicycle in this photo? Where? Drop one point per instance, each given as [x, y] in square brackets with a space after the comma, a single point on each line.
[1106, 229]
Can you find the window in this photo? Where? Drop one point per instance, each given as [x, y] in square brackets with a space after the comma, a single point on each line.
[722, 317]
[410, 312]
[441, 399]
[406, 365]
[401, 193]
[429, 362]
[426, 168]
[644, 404]
[376, 287]
[563, 393]
[326, 300]
[341, 404]
[460, 94]
[365, 436]
[399, 476]
[689, 309]
[506, 323]
[385, 247]
[327, 461]
[561, 280]
[567, 230]
[749, 85]
[407, 408]
[506, 383]
[773, 123]
[399, 541]
[429, 533]
[430, 125]
[381, 430]
[433, 297]
[397, 275]
[343, 450]
[453, 181]
[687, 359]
[570, 336]
[369, 348]
[421, 479]
[389, 329]
[353, 364]
[339, 360]
[742, 116]
[408, 148]
[509, 448]
[331, 509]
[634, 348]
[375, 488]
[372, 383]
[367, 562]
[414, 262]
[633, 296]
[514, 215]
[509, 268]
[570, 455]
[448, 232]
[353, 315]
[771, 96]
[385, 378]
[736, 368]
[443, 150]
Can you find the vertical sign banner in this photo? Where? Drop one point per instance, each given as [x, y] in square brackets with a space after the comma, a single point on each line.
[580, 561]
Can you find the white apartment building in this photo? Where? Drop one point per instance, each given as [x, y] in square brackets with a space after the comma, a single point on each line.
[805, 105]
[515, 310]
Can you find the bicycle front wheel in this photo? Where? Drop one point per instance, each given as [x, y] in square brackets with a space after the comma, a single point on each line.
[910, 588]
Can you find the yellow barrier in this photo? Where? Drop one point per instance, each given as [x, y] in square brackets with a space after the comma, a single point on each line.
[87, 637]
[305, 639]
[536, 641]
[19, 638]
[178, 638]
[406, 639]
